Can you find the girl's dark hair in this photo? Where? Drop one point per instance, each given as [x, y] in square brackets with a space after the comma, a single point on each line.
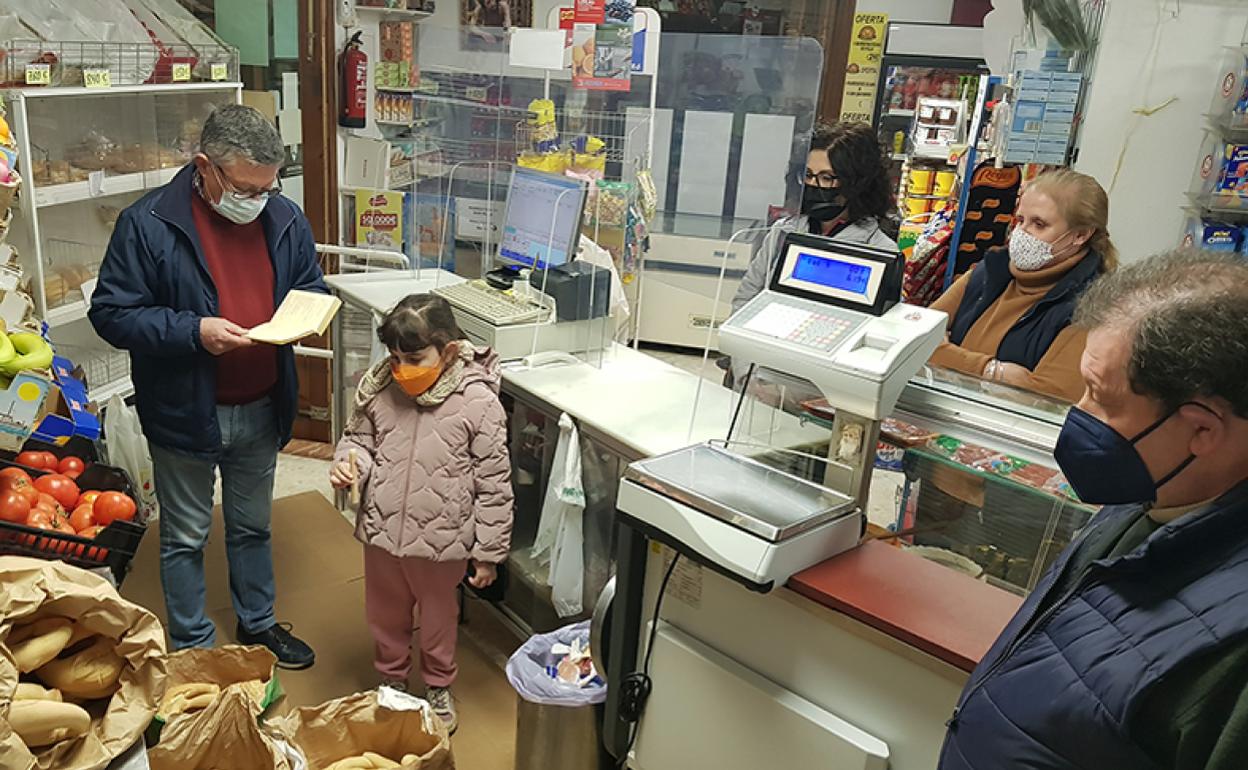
[418, 321]
[858, 162]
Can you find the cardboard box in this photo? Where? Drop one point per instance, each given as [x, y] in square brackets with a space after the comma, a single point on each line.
[49, 406]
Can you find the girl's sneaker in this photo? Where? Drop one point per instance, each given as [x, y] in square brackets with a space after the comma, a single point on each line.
[444, 706]
[395, 684]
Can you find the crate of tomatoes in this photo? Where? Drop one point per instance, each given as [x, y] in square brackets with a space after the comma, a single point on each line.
[56, 505]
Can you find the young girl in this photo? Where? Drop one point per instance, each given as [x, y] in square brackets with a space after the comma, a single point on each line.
[429, 439]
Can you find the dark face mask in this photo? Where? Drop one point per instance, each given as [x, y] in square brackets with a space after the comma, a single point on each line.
[821, 204]
[1103, 466]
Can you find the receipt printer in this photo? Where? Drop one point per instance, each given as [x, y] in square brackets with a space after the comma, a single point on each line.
[581, 291]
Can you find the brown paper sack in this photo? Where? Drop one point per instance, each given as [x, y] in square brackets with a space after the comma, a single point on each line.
[32, 587]
[224, 735]
[222, 666]
[350, 726]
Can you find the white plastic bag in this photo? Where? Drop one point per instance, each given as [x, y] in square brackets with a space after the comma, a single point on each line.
[126, 448]
[560, 533]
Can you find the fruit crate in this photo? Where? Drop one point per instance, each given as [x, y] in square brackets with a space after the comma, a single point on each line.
[112, 549]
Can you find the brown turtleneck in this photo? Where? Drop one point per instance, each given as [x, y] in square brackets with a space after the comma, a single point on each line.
[1057, 374]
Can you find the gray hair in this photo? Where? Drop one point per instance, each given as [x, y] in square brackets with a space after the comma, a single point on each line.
[237, 132]
[1186, 314]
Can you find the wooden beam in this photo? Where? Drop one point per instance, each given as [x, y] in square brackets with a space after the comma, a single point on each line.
[839, 28]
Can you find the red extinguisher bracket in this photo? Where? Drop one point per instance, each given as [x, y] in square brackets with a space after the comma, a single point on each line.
[352, 84]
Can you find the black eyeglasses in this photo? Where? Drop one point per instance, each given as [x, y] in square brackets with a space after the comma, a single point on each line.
[822, 179]
[255, 195]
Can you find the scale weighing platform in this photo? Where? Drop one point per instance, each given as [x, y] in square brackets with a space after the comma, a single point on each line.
[830, 315]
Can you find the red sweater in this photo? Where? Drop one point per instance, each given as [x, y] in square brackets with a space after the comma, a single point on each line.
[238, 260]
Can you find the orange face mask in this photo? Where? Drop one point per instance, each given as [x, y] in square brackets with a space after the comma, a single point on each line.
[415, 380]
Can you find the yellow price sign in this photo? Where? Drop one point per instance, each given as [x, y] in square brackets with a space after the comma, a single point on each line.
[38, 74]
[218, 72]
[97, 77]
[181, 72]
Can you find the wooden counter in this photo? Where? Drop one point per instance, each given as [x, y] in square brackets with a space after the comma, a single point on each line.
[938, 610]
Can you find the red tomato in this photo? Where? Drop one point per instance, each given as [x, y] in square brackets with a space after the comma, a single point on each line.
[40, 516]
[19, 484]
[88, 498]
[71, 466]
[111, 506]
[48, 503]
[61, 487]
[50, 461]
[82, 518]
[33, 459]
[11, 474]
[13, 507]
[93, 552]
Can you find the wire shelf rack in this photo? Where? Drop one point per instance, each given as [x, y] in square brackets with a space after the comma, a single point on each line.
[29, 63]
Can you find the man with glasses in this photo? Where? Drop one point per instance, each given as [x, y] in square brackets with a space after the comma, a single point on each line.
[190, 268]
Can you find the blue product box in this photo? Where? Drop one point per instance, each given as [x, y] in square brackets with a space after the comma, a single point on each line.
[1063, 97]
[1028, 117]
[1235, 170]
[1216, 236]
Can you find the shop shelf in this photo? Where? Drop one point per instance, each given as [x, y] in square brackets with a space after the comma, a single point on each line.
[66, 314]
[398, 14]
[1223, 204]
[900, 114]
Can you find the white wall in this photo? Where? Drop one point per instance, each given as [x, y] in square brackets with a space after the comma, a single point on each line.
[1161, 149]
[935, 11]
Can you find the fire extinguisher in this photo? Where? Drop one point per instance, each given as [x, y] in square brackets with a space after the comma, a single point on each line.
[352, 84]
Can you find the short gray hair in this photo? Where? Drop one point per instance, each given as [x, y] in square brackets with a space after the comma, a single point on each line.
[1186, 314]
[237, 132]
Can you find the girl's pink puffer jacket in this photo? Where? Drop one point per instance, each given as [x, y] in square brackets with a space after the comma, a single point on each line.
[436, 481]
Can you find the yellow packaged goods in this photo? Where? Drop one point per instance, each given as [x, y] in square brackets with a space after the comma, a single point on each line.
[106, 653]
[373, 727]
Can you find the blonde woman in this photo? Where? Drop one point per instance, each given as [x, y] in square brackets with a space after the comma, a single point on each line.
[1010, 315]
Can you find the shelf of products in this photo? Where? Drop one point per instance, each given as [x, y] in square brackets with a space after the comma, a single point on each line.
[1219, 189]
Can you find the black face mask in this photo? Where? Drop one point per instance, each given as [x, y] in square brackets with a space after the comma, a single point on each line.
[821, 204]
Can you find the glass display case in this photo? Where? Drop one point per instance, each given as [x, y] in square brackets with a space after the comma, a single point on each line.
[85, 155]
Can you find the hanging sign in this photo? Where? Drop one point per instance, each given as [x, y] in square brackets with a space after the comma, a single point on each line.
[97, 77]
[862, 66]
[38, 74]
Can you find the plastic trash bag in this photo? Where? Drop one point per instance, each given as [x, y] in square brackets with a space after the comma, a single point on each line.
[560, 533]
[126, 448]
[527, 670]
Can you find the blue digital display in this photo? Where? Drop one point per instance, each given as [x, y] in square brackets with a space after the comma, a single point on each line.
[832, 273]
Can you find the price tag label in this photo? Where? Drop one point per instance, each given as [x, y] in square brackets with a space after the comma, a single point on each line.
[38, 74]
[218, 72]
[476, 93]
[428, 87]
[181, 72]
[97, 77]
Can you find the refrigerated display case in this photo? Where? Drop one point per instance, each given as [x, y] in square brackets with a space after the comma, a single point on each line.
[923, 60]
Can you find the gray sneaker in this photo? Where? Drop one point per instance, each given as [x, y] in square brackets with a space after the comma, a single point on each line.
[444, 706]
[395, 684]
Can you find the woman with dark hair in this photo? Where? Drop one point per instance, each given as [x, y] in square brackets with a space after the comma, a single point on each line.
[846, 196]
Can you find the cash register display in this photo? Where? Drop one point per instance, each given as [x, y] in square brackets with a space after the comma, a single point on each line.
[843, 277]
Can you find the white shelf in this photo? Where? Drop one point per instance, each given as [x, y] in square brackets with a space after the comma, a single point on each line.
[899, 114]
[396, 13]
[114, 184]
[67, 313]
[33, 93]
[123, 387]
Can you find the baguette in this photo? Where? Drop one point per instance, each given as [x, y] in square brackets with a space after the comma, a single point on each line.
[43, 723]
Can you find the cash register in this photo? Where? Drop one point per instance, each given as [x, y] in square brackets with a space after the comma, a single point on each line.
[513, 314]
[831, 315]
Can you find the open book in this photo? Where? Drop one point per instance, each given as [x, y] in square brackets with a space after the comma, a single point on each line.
[302, 314]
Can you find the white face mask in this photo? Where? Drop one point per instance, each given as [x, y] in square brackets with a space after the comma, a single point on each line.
[1028, 253]
[239, 210]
